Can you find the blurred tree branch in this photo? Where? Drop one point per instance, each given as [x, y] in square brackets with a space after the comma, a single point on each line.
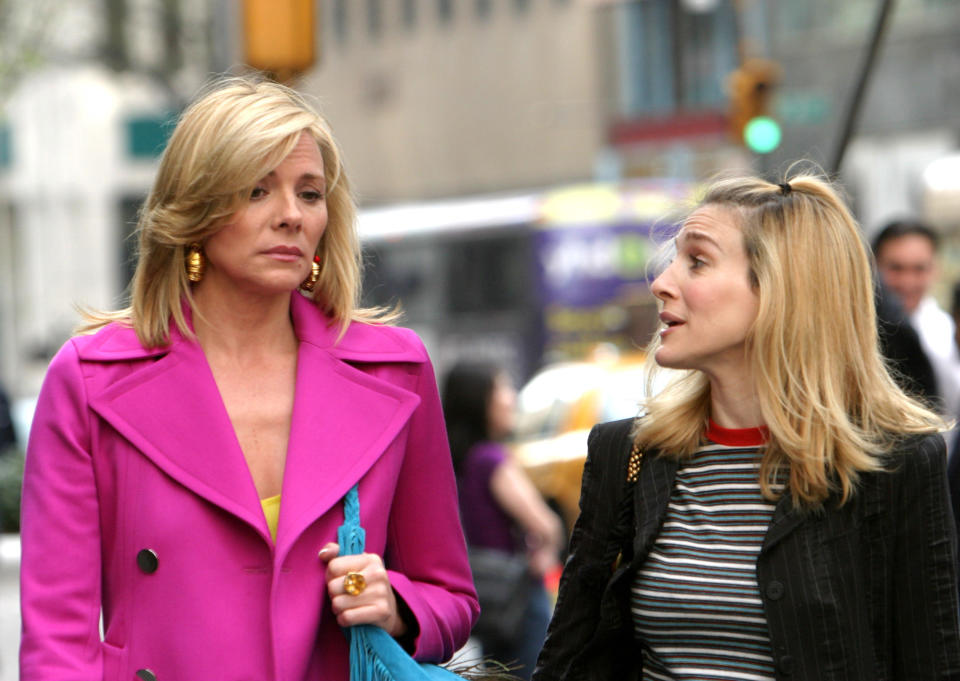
[24, 30]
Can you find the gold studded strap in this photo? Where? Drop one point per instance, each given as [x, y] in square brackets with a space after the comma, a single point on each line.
[626, 505]
[633, 465]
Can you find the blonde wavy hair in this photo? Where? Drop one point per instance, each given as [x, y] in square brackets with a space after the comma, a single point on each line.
[825, 393]
[229, 138]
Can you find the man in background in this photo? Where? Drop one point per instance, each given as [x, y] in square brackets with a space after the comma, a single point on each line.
[906, 252]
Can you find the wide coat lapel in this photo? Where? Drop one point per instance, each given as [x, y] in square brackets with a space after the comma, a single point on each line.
[171, 411]
[651, 495]
[344, 419]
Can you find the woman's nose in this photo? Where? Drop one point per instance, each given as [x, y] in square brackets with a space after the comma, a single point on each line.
[661, 286]
[289, 215]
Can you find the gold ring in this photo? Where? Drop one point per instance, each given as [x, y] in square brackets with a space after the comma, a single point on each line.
[354, 583]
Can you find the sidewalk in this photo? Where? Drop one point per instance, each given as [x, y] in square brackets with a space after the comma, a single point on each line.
[9, 605]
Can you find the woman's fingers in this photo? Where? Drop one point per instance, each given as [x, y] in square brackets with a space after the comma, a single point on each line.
[365, 614]
[360, 592]
[375, 595]
[329, 552]
[339, 567]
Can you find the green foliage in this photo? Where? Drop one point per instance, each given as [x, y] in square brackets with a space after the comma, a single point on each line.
[11, 480]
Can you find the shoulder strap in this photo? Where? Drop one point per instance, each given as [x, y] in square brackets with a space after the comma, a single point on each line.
[624, 528]
[351, 536]
[633, 464]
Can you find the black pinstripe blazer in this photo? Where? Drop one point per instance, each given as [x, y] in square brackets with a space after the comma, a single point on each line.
[862, 592]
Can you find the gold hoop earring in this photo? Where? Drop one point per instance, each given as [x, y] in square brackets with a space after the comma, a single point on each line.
[196, 263]
[314, 276]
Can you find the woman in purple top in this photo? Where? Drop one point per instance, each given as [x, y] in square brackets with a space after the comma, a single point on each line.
[499, 506]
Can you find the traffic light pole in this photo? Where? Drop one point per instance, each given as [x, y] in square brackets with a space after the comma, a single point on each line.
[856, 98]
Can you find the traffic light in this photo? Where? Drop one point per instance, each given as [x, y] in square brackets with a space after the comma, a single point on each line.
[279, 36]
[750, 89]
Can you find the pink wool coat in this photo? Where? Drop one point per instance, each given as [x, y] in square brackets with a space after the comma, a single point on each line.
[137, 502]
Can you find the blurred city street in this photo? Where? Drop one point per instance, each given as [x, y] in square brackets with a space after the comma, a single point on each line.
[519, 168]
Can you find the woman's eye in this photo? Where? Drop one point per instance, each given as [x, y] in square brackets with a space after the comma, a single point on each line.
[311, 195]
[258, 192]
[695, 262]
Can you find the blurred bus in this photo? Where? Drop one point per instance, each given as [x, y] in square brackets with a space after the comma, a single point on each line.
[522, 279]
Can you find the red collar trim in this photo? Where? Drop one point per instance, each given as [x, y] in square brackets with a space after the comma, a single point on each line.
[737, 437]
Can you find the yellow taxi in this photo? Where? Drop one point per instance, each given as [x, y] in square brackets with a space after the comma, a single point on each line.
[557, 409]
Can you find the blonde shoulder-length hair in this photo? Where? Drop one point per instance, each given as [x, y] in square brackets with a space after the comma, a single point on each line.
[229, 138]
[826, 396]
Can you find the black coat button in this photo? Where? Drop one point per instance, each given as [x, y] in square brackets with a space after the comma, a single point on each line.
[148, 562]
[146, 674]
[786, 664]
[774, 590]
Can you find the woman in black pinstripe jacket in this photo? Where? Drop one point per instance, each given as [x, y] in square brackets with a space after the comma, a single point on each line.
[781, 510]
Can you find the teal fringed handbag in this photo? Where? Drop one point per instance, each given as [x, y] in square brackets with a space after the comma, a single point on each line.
[374, 654]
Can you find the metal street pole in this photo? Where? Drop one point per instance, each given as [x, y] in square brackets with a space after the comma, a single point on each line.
[856, 98]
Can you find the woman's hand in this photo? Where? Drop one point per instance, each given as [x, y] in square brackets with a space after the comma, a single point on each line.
[376, 604]
[512, 489]
[542, 560]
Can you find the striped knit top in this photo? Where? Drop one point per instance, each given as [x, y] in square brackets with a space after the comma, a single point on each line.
[695, 602]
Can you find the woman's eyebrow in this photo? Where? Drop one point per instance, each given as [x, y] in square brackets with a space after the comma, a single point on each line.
[697, 235]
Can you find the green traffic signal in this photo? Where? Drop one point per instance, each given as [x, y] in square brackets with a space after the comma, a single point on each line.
[762, 134]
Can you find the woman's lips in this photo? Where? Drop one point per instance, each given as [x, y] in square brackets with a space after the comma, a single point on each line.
[671, 321]
[284, 253]
[671, 324]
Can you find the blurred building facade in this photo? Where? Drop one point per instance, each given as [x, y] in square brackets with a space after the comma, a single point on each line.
[433, 99]
[439, 98]
[87, 99]
[911, 111]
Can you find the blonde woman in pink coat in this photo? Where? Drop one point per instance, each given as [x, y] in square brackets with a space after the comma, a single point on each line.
[187, 460]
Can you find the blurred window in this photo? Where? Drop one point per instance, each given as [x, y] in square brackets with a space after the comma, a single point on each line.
[6, 147]
[647, 62]
[374, 18]
[409, 272]
[409, 13]
[340, 20]
[709, 40]
[850, 20]
[675, 55]
[490, 274]
[445, 10]
[483, 8]
[147, 134]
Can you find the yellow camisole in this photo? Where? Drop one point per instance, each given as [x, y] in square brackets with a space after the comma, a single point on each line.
[271, 511]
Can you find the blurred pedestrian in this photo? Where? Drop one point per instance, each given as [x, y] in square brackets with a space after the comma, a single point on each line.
[187, 461]
[780, 510]
[906, 252]
[502, 511]
[8, 435]
[953, 469]
[900, 346]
